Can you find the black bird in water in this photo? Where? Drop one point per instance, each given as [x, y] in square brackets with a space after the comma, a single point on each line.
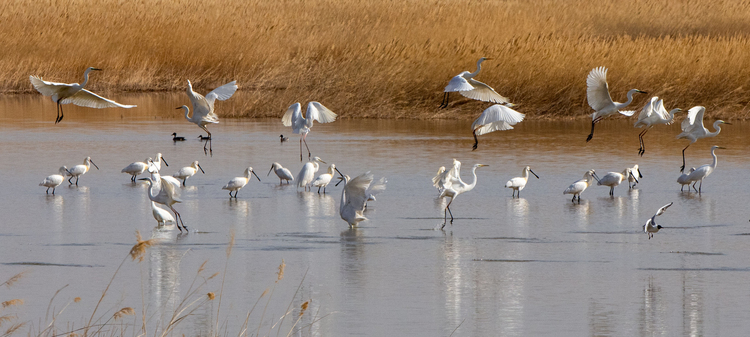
[177, 139]
[283, 139]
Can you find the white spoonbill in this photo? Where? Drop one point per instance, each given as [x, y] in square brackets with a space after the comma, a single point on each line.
[495, 118]
[354, 197]
[162, 216]
[164, 192]
[281, 172]
[324, 179]
[518, 183]
[203, 107]
[137, 168]
[467, 86]
[684, 179]
[613, 179]
[579, 186]
[64, 93]
[597, 94]
[457, 187]
[704, 171]
[188, 171]
[239, 182]
[54, 180]
[631, 176]
[302, 124]
[79, 170]
[307, 173]
[653, 113]
[693, 129]
[651, 227]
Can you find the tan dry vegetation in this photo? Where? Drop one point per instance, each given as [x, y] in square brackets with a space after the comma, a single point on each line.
[365, 58]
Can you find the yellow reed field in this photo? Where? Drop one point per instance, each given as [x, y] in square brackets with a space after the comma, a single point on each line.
[378, 59]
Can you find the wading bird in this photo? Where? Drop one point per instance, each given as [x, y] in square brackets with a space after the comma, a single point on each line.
[652, 114]
[137, 168]
[613, 179]
[444, 177]
[324, 179]
[704, 170]
[79, 170]
[354, 197]
[518, 183]
[301, 124]
[467, 86]
[579, 186]
[437, 177]
[281, 172]
[597, 94]
[165, 192]
[203, 107]
[54, 180]
[631, 176]
[693, 129]
[188, 171]
[651, 227]
[64, 93]
[239, 182]
[684, 179]
[455, 187]
[495, 118]
[162, 216]
[307, 173]
[177, 139]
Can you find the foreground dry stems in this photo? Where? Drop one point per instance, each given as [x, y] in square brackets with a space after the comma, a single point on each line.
[387, 58]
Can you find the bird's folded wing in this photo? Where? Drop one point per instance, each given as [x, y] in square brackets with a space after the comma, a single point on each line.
[483, 92]
[597, 90]
[48, 88]
[91, 100]
[318, 112]
[222, 93]
[458, 83]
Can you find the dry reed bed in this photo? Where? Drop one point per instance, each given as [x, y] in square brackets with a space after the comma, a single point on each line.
[387, 58]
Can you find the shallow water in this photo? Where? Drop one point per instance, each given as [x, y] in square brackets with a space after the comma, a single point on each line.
[529, 266]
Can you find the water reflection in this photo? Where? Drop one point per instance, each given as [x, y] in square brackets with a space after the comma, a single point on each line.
[654, 310]
[353, 268]
[164, 273]
[452, 280]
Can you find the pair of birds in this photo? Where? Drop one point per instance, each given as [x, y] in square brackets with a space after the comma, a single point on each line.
[611, 179]
[697, 175]
[54, 180]
[176, 138]
[137, 168]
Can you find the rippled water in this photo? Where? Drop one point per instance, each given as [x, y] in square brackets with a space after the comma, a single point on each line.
[530, 266]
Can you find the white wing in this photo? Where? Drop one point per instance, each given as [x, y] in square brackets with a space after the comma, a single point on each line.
[627, 112]
[483, 92]
[355, 191]
[690, 123]
[438, 176]
[47, 88]
[316, 111]
[646, 111]
[89, 99]
[663, 208]
[222, 93]
[202, 110]
[293, 117]
[458, 83]
[659, 109]
[597, 90]
[377, 187]
[495, 118]
[171, 183]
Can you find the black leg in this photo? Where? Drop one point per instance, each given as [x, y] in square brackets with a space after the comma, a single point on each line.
[591, 135]
[77, 180]
[318, 189]
[300, 148]
[476, 141]
[444, 104]
[682, 168]
[308, 149]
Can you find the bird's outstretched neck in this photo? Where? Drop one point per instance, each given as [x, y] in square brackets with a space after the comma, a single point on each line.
[479, 67]
[713, 153]
[717, 128]
[86, 76]
[187, 112]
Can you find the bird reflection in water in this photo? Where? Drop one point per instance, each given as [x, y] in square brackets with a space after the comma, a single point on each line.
[164, 271]
[354, 273]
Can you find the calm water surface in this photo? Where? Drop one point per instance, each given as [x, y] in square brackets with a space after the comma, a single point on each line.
[538, 265]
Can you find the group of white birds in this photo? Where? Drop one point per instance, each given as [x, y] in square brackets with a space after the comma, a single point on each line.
[498, 117]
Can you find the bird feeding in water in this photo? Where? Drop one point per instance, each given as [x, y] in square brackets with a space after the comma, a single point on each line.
[631, 176]
[653, 113]
[453, 186]
[495, 118]
[580, 185]
[518, 183]
[597, 94]
[239, 182]
[684, 179]
[354, 196]
[693, 129]
[465, 84]
[64, 93]
[704, 170]
[165, 192]
[307, 173]
[613, 179]
[281, 172]
[137, 168]
[79, 170]
[55, 180]
[324, 179]
[651, 227]
[203, 108]
[301, 124]
[188, 171]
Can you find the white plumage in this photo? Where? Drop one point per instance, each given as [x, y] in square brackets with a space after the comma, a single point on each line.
[79, 170]
[203, 107]
[597, 94]
[653, 113]
[302, 124]
[518, 183]
[465, 84]
[324, 179]
[631, 177]
[281, 172]
[307, 173]
[54, 180]
[188, 171]
[693, 129]
[162, 216]
[239, 182]
[165, 192]
[704, 170]
[495, 118]
[651, 227]
[453, 186]
[579, 186]
[354, 197]
[684, 179]
[613, 179]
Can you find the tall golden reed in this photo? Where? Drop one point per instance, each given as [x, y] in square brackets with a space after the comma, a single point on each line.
[387, 58]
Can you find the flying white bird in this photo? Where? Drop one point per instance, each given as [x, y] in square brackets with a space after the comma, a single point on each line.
[162, 216]
[704, 170]
[55, 180]
[455, 187]
[684, 179]
[579, 186]
[301, 124]
[188, 171]
[518, 183]
[165, 192]
[79, 170]
[597, 94]
[467, 86]
[64, 93]
[631, 176]
[281, 172]
[307, 173]
[137, 168]
[354, 197]
[495, 118]
[203, 107]
[693, 129]
[651, 227]
[239, 182]
[613, 179]
[324, 179]
[653, 113]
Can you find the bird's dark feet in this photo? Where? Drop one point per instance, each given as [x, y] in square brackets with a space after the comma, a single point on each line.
[682, 168]
[589, 137]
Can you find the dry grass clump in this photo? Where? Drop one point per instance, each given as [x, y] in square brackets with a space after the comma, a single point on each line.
[386, 58]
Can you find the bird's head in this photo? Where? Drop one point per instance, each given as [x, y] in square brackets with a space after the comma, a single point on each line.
[316, 158]
[659, 226]
[249, 170]
[722, 122]
[640, 91]
[93, 68]
[480, 165]
[717, 147]
[532, 172]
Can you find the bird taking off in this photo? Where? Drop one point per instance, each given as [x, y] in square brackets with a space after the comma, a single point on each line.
[495, 118]
[597, 94]
[301, 124]
[651, 227]
[467, 86]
